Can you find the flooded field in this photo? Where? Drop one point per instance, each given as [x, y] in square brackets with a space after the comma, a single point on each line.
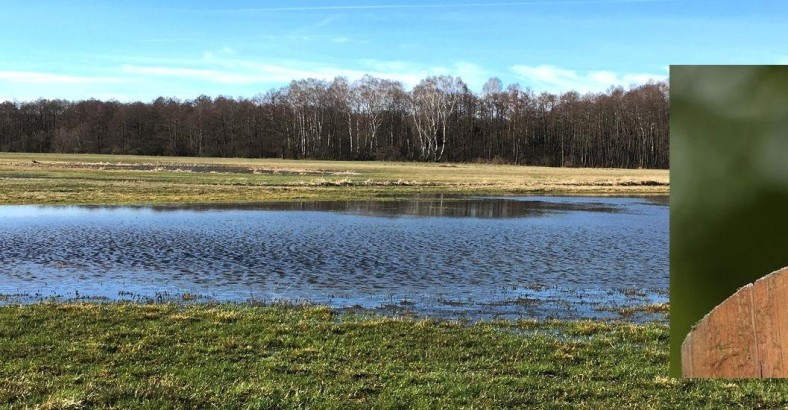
[539, 257]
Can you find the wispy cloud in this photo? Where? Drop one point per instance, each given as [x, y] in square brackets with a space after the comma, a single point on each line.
[440, 6]
[322, 23]
[548, 77]
[223, 70]
[37, 77]
[167, 71]
[167, 40]
[245, 72]
[411, 74]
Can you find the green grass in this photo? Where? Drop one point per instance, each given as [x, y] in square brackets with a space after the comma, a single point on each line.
[98, 179]
[240, 356]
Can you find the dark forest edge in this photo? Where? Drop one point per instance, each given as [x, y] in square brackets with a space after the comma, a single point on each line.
[440, 119]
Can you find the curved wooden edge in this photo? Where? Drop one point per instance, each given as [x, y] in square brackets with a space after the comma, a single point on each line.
[745, 336]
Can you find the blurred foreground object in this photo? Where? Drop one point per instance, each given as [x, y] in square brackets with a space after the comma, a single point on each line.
[744, 336]
[728, 186]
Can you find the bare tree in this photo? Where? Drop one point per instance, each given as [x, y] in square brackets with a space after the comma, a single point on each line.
[434, 101]
[371, 118]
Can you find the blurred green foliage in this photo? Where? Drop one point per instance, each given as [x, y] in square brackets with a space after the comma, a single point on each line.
[729, 186]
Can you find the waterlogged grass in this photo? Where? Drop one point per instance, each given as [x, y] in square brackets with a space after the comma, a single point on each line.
[117, 355]
[240, 356]
[111, 179]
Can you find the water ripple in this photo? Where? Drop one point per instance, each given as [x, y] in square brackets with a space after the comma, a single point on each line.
[344, 254]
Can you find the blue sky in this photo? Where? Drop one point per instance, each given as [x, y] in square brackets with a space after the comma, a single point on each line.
[143, 49]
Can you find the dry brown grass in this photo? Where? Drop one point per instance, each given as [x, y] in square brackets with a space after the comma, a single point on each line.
[56, 178]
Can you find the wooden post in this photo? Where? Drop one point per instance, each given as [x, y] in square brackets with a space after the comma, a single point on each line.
[744, 336]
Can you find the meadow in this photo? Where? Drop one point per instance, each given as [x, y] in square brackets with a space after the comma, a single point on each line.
[111, 179]
[75, 355]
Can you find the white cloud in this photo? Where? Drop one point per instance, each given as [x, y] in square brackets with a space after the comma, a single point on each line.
[76, 91]
[223, 71]
[212, 55]
[411, 74]
[112, 96]
[167, 71]
[190, 73]
[240, 74]
[243, 72]
[473, 75]
[551, 78]
[35, 77]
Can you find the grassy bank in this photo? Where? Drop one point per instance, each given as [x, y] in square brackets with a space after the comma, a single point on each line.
[230, 356]
[109, 179]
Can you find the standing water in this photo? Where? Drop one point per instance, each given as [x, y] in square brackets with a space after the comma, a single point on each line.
[539, 257]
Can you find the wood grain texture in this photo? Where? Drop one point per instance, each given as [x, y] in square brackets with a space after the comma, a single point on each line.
[745, 336]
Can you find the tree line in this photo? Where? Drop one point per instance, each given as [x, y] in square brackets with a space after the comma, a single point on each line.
[439, 119]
